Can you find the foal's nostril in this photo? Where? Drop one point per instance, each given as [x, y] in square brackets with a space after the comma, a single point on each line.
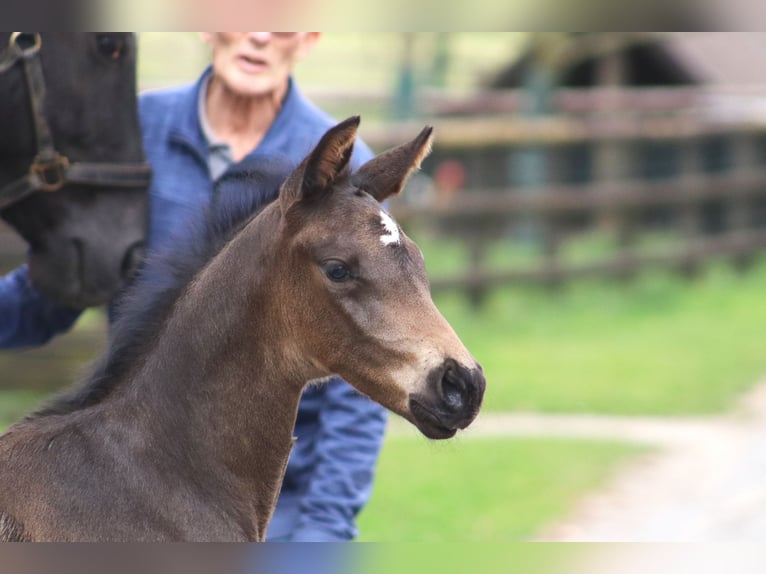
[453, 388]
[452, 396]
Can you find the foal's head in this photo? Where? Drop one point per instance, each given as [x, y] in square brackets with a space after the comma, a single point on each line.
[358, 300]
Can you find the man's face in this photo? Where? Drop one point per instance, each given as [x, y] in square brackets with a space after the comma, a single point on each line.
[257, 63]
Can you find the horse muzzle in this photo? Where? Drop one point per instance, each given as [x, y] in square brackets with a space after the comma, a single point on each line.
[452, 400]
[76, 275]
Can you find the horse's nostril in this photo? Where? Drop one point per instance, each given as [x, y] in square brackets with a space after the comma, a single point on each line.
[453, 388]
[452, 396]
[132, 260]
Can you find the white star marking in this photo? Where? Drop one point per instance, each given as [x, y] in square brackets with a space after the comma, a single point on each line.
[392, 230]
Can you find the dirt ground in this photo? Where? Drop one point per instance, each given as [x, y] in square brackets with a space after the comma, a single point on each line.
[704, 480]
[705, 483]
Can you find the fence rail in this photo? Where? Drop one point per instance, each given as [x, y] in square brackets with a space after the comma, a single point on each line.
[488, 131]
[436, 102]
[614, 206]
[598, 196]
[610, 122]
[683, 198]
[623, 264]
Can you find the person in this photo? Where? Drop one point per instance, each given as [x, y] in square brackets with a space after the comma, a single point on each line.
[245, 105]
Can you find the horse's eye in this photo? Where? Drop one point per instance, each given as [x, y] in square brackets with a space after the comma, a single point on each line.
[109, 45]
[337, 271]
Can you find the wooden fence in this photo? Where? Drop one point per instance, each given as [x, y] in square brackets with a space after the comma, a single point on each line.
[618, 208]
[609, 122]
[612, 124]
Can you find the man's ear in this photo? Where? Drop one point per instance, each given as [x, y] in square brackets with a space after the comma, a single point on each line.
[314, 178]
[386, 174]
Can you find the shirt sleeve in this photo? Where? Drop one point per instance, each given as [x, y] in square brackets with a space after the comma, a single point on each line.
[27, 318]
[350, 436]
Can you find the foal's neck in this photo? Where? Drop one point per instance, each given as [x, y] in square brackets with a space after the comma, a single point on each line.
[222, 365]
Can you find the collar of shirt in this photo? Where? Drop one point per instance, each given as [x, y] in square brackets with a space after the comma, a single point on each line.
[220, 156]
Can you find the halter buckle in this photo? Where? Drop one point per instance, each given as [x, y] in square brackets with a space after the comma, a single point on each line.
[50, 174]
[25, 49]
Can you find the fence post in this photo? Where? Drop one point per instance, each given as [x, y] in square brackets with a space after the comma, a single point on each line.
[476, 290]
[626, 240]
[404, 94]
[529, 163]
[551, 249]
[691, 220]
[441, 59]
[737, 213]
[611, 159]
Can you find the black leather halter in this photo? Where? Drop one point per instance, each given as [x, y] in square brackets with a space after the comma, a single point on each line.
[50, 170]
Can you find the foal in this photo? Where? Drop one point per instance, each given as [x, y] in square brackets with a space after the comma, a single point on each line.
[189, 439]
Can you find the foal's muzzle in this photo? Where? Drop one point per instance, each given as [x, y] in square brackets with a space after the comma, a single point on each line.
[451, 402]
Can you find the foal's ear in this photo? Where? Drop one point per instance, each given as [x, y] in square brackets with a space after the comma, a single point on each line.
[386, 174]
[330, 158]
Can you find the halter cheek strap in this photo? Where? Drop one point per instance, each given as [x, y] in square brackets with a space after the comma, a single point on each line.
[51, 170]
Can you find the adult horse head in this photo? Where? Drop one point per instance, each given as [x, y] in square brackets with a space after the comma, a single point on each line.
[72, 178]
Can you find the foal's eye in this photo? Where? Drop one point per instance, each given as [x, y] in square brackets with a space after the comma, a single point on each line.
[336, 271]
[109, 45]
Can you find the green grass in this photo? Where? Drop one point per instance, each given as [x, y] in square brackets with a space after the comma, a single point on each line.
[460, 558]
[481, 489]
[658, 345]
[59, 363]
[14, 404]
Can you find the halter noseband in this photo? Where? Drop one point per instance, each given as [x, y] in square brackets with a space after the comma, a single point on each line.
[50, 170]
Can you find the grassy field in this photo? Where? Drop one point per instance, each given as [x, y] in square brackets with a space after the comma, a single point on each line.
[481, 489]
[460, 558]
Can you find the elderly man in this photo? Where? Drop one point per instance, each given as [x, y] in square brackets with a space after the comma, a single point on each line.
[244, 106]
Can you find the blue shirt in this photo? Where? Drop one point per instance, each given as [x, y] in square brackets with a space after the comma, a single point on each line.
[330, 472]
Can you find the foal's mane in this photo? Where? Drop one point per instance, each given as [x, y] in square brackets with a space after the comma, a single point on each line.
[239, 195]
